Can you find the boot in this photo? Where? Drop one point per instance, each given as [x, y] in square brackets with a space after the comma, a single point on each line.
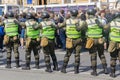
[37, 65]
[94, 73]
[55, 64]
[105, 69]
[63, 70]
[8, 64]
[48, 69]
[76, 70]
[27, 67]
[112, 73]
[17, 64]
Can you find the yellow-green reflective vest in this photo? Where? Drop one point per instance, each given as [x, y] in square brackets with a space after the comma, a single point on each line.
[48, 31]
[94, 31]
[11, 29]
[71, 31]
[30, 32]
[115, 31]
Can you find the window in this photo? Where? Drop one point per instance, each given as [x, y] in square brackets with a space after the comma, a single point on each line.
[94, 0]
[1, 10]
[29, 1]
[67, 1]
[13, 9]
[0, 1]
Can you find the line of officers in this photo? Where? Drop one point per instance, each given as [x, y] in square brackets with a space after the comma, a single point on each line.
[43, 34]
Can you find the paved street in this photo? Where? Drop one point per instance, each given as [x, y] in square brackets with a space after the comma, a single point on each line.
[34, 74]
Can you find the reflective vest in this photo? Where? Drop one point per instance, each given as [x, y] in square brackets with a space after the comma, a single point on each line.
[30, 32]
[115, 31]
[11, 29]
[47, 31]
[94, 31]
[71, 31]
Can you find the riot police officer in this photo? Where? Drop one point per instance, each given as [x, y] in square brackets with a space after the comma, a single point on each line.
[95, 42]
[73, 40]
[32, 41]
[48, 28]
[11, 38]
[114, 43]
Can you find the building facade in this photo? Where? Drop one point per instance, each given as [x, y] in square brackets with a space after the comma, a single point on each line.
[30, 3]
[9, 1]
[73, 1]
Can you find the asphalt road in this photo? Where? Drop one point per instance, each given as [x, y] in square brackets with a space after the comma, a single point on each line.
[40, 74]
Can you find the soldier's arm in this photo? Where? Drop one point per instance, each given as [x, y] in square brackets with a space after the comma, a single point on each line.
[62, 25]
[38, 26]
[53, 25]
[22, 24]
[82, 25]
[98, 23]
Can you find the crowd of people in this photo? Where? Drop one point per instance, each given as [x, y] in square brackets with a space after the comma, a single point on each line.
[93, 29]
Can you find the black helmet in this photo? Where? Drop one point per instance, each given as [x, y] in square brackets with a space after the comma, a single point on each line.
[91, 11]
[29, 16]
[45, 15]
[117, 15]
[10, 14]
[74, 12]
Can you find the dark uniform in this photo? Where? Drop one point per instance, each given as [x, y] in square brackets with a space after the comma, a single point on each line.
[114, 43]
[11, 38]
[73, 40]
[32, 41]
[95, 42]
[47, 41]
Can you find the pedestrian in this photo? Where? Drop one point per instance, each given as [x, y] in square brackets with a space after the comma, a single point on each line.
[22, 18]
[1, 36]
[62, 34]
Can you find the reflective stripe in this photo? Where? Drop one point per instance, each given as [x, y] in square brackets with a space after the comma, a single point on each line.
[94, 31]
[11, 29]
[94, 35]
[48, 31]
[71, 31]
[30, 32]
[115, 34]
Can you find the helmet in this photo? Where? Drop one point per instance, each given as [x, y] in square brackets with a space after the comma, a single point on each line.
[74, 12]
[29, 16]
[91, 11]
[45, 15]
[117, 15]
[10, 14]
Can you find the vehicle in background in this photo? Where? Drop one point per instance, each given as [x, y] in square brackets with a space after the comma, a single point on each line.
[4, 8]
[65, 7]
